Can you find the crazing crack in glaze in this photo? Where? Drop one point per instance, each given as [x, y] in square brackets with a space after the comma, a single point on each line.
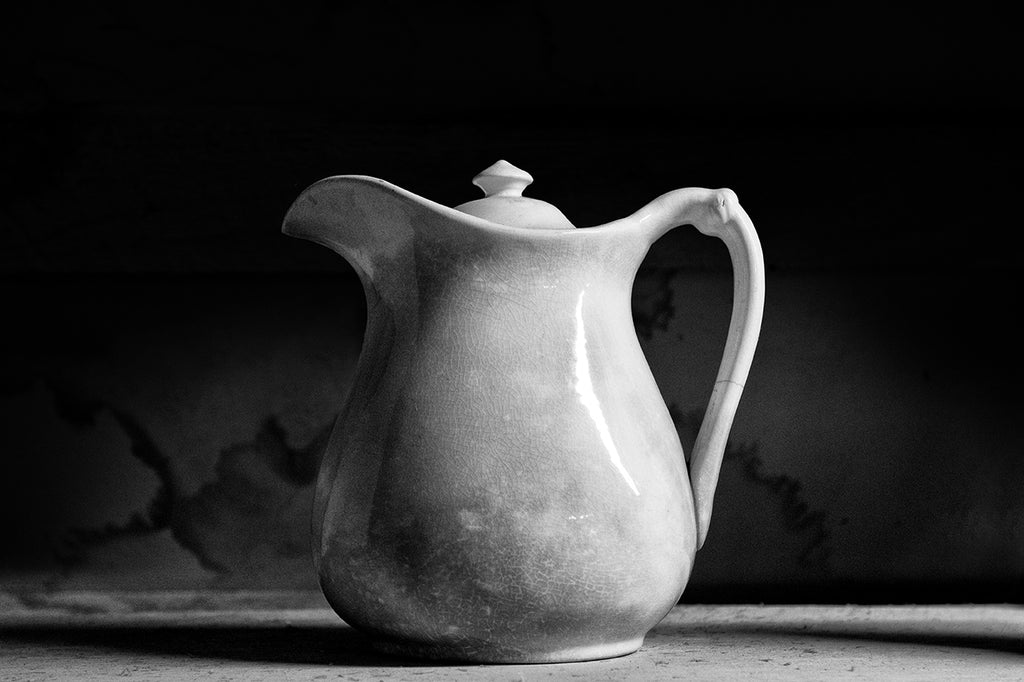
[585, 391]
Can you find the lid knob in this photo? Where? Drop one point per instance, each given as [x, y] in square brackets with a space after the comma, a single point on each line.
[502, 179]
[505, 204]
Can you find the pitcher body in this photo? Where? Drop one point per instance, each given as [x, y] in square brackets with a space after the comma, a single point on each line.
[505, 483]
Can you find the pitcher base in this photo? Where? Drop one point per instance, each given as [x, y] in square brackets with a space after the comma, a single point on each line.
[481, 653]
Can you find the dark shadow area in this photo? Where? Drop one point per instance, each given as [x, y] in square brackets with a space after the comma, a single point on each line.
[866, 593]
[277, 644]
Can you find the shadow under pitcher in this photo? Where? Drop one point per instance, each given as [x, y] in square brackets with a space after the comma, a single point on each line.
[505, 483]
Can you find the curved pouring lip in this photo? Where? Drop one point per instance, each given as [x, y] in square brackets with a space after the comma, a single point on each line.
[292, 229]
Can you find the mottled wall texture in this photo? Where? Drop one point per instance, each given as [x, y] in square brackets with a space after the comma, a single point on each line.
[170, 365]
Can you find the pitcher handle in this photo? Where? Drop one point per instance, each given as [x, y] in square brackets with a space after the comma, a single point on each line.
[718, 213]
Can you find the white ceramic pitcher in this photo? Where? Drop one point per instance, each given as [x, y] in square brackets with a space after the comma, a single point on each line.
[505, 483]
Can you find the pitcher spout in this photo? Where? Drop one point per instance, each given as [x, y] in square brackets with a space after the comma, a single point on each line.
[364, 220]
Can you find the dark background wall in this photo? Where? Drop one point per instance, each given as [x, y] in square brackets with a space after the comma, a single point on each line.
[170, 363]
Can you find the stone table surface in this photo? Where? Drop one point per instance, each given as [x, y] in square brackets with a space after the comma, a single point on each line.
[294, 636]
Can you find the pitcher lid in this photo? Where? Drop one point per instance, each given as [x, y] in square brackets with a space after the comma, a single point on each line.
[504, 203]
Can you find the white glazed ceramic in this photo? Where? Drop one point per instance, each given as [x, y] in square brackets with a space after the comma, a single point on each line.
[505, 483]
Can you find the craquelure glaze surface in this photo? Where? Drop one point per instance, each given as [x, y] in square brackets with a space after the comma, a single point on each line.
[505, 483]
